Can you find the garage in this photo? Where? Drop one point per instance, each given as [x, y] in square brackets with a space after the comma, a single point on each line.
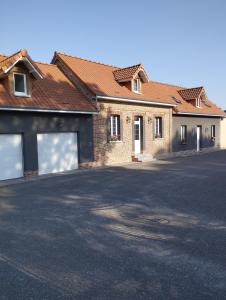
[57, 152]
[11, 156]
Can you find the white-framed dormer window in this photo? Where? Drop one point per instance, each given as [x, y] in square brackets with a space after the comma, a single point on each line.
[136, 85]
[20, 84]
[198, 102]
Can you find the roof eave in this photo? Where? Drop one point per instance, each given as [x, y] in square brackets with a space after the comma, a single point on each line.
[141, 101]
[47, 110]
[30, 66]
[199, 114]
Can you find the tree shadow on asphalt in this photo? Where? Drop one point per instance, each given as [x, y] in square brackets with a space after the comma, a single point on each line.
[152, 231]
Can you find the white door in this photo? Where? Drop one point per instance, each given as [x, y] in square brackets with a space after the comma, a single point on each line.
[137, 135]
[57, 152]
[198, 138]
[11, 156]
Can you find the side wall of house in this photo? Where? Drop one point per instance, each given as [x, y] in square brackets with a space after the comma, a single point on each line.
[223, 133]
[29, 124]
[192, 123]
[106, 152]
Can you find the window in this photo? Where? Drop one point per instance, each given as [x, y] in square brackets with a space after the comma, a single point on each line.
[213, 131]
[115, 128]
[158, 132]
[136, 85]
[183, 137]
[20, 85]
[198, 102]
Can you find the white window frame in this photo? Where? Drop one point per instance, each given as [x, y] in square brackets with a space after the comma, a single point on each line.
[183, 134]
[157, 133]
[25, 85]
[213, 136]
[137, 80]
[115, 118]
[198, 102]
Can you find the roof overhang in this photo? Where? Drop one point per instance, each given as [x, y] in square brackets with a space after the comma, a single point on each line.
[143, 75]
[28, 64]
[43, 110]
[129, 100]
[199, 114]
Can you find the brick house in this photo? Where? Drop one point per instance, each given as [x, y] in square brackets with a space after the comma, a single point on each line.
[134, 120]
[45, 122]
[140, 118]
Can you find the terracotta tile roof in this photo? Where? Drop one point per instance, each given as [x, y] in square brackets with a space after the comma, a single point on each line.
[191, 94]
[126, 73]
[53, 92]
[100, 79]
[8, 62]
[166, 91]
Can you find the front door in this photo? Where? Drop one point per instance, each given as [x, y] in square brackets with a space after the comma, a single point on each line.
[199, 137]
[137, 134]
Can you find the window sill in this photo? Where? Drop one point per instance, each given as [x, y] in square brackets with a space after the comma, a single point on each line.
[183, 144]
[139, 93]
[158, 139]
[115, 141]
[22, 95]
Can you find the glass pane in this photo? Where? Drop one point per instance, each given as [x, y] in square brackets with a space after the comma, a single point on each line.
[137, 132]
[19, 83]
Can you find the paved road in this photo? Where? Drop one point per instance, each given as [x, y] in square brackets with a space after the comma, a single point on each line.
[142, 231]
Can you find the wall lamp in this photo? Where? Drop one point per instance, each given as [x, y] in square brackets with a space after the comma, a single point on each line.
[149, 120]
[128, 119]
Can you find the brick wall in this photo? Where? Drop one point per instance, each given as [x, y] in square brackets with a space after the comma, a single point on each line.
[106, 152]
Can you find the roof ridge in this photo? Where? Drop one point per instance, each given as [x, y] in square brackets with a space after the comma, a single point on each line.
[85, 59]
[17, 52]
[120, 69]
[44, 63]
[169, 84]
[193, 88]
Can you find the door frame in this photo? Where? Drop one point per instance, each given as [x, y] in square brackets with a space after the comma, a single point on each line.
[139, 119]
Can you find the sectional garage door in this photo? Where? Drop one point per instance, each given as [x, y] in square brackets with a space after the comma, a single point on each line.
[57, 152]
[11, 156]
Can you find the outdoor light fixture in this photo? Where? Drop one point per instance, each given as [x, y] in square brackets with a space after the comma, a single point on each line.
[149, 120]
[128, 119]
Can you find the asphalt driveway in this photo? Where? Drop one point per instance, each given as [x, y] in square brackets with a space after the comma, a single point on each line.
[142, 231]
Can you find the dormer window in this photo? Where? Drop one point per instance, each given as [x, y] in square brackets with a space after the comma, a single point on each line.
[20, 84]
[136, 85]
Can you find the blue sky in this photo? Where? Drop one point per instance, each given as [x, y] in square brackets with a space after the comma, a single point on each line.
[179, 41]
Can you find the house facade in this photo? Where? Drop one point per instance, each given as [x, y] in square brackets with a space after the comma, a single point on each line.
[45, 122]
[196, 121]
[139, 118]
[76, 112]
[134, 122]
[223, 133]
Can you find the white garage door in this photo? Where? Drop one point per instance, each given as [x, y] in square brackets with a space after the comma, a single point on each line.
[11, 157]
[57, 152]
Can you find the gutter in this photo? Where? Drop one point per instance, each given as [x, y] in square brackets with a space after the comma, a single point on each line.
[135, 101]
[48, 110]
[198, 114]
